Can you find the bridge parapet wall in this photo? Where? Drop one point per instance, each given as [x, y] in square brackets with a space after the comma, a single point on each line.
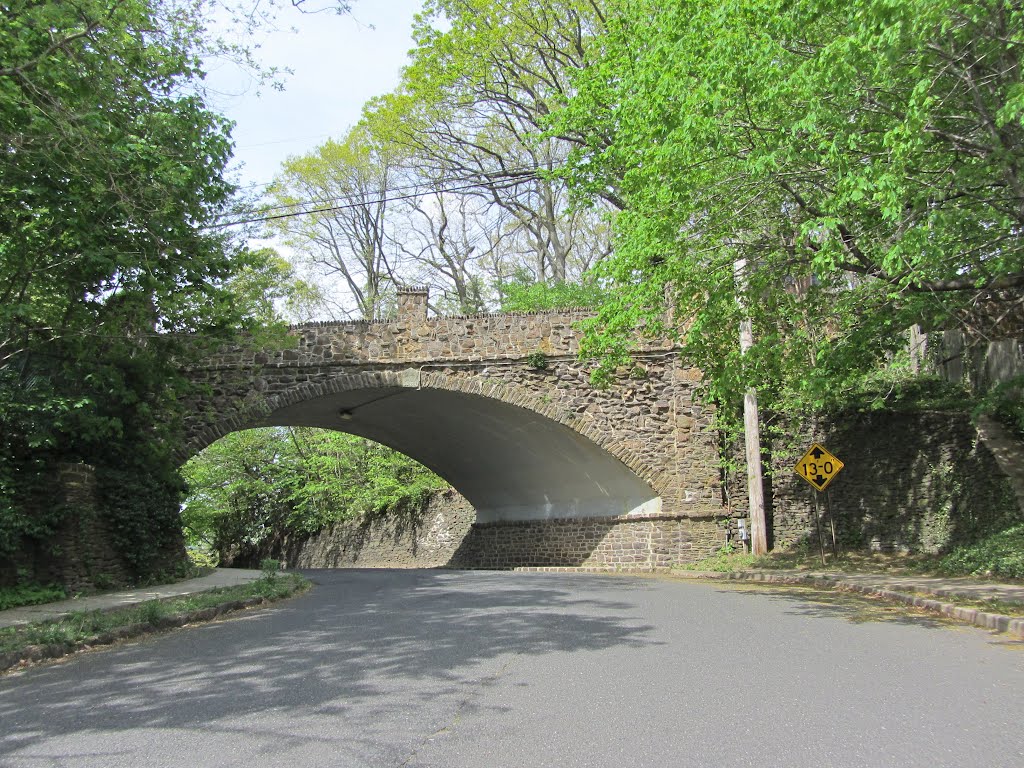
[412, 339]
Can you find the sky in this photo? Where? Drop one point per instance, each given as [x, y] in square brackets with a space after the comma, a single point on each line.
[339, 62]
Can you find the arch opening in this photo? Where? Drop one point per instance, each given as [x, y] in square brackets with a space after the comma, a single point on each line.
[510, 462]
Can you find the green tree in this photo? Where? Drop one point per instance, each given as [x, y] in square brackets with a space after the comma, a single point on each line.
[523, 293]
[111, 178]
[342, 191]
[251, 491]
[862, 158]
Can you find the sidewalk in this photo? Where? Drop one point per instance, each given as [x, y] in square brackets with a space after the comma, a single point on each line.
[919, 591]
[222, 577]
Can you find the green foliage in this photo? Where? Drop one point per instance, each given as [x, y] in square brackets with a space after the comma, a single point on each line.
[886, 388]
[858, 157]
[270, 567]
[250, 490]
[524, 294]
[111, 181]
[537, 360]
[726, 560]
[1005, 403]
[30, 594]
[999, 555]
[142, 514]
[202, 557]
[350, 241]
[481, 77]
[87, 627]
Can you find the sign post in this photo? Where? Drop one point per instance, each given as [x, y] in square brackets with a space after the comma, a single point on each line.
[817, 527]
[831, 520]
[819, 467]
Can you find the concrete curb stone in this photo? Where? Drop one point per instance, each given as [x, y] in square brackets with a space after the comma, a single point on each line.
[995, 621]
[988, 620]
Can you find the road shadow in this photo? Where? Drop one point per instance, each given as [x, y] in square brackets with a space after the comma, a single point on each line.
[364, 645]
[848, 606]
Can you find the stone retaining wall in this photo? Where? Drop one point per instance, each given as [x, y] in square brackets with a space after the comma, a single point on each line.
[427, 541]
[445, 535]
[84, 558]
[78, 554]
[920, 482]
[607, 543]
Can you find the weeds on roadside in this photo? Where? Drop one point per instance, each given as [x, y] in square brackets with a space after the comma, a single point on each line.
[83, 627]
[30, 594]
[1000, 555]
[997, 557]
[726, 560]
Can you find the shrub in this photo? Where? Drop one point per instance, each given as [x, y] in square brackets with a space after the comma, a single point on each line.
[203, 557]
[1005, 404]
[726, 560]
[30, 594]
[1000, 554]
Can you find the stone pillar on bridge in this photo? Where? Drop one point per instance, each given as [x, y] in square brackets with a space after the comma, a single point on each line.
[412, 303]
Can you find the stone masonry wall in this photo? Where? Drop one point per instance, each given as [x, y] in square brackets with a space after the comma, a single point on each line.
[445, 535]
[428, 541]
[413, 338]
[603, 543]
[84, 557]
[919, 482]
[79, 554]
[651, 418]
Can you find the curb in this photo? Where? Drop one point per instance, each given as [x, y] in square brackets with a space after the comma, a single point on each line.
[994, 621]
[997, 622]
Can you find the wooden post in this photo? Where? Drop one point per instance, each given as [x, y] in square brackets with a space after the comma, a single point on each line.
[751, 432]
[817, 527]
[831, 521]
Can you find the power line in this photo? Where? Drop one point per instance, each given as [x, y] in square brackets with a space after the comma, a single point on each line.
[385, 198]
[529, 171]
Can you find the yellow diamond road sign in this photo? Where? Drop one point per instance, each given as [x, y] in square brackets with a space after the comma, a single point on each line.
[818, 467]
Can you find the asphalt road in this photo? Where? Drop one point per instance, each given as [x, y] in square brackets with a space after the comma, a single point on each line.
[446, 669]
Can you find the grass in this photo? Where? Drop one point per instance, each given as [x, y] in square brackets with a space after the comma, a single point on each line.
[39, 594]
[99, 627]
[892, 564]
[1000, 555]
[30, 594]
[726, 560]
[847, 606]
[853, 561]
[803, 559]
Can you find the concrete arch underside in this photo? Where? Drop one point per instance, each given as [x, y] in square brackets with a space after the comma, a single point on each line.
[505, 449]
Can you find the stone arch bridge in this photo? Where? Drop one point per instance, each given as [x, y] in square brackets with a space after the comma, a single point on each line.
[559, 472]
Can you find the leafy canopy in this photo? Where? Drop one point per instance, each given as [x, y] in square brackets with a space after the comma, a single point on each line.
[862, 158]
[111, 177]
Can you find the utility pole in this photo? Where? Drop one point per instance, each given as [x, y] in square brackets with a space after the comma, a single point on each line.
[751, 428]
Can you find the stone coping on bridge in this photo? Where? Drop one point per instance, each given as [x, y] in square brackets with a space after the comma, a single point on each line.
[576, 311]
[712, 514]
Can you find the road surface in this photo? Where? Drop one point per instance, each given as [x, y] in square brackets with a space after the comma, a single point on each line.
[484, 669]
